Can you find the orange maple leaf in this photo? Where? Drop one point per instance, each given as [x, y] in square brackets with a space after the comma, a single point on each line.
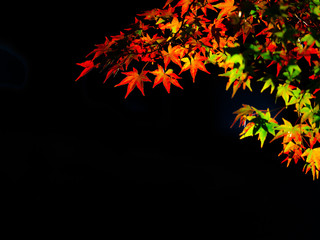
[313, 161]
[134, 79]
[150, 14]
[184, 4]
[208, 6]
[166, 78]
[194, 64]
[174, 54]
[226, 8]
[174, 26]
[293, 151]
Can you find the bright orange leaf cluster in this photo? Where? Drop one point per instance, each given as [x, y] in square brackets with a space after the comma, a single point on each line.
[275, 42]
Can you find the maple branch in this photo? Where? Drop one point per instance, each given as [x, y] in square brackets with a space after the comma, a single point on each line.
[278, 113]
[144, 66]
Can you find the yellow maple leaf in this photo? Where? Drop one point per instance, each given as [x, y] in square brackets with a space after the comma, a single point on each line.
[313, 161]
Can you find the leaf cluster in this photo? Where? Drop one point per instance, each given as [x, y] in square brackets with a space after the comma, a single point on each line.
[272, 42]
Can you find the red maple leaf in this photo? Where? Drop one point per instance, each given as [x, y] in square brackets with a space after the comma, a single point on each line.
[134, 79]
[305, 51]
[101, 49]
[88, 66]
[166, 78]
[113, 70]
[194, 64]
[167, 3]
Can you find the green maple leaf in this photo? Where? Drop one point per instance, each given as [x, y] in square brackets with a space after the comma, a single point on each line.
[268, 83]
[284, 91]
[293, 71]
[260, 124]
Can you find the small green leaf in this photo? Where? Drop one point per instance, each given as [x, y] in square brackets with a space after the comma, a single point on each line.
[294, 70]
[262, 135]
[268, 83]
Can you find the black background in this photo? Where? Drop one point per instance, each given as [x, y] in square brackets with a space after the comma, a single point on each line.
[155, 162]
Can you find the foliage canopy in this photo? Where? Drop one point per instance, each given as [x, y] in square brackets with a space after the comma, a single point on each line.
[275, 42]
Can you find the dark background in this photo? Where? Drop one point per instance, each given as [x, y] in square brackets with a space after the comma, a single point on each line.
[155, 162]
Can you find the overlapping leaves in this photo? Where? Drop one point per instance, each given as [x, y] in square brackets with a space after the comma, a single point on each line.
[275, 43]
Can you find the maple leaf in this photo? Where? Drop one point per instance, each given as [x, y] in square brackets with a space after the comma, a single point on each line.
[167, 13]
[194, 64]
[242, 114]
[247, 28]
[134, 79]
[216, 30]
[284, 91]
[226, 8]
[166, 78]
[289, 132]
[184, 4]
[118, 37]
[260, 124]
[293, 151]
[174, 26]
[174, 54]
[148, 40]
[268, 83]
[305, 51]
[208, 6]
[113, 70]
[101, 49]
[313, 161]
[88, 66]
[167, 3]
[150, 14]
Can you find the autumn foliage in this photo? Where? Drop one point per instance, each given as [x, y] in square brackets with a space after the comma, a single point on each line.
[274, 42]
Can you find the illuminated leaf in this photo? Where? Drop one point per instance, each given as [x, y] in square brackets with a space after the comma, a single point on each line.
[184, 4]
[312, 161]
[293, 151]
[134, 79]
[268, 83]
[226, 8]
[243, 113]
[101, 49]
[88, 66]
[305, 52]
[150, 14]
[194, 64]
[284, 91]
[174, 54]
[167, 3]
[289, 132]
[166, 78]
